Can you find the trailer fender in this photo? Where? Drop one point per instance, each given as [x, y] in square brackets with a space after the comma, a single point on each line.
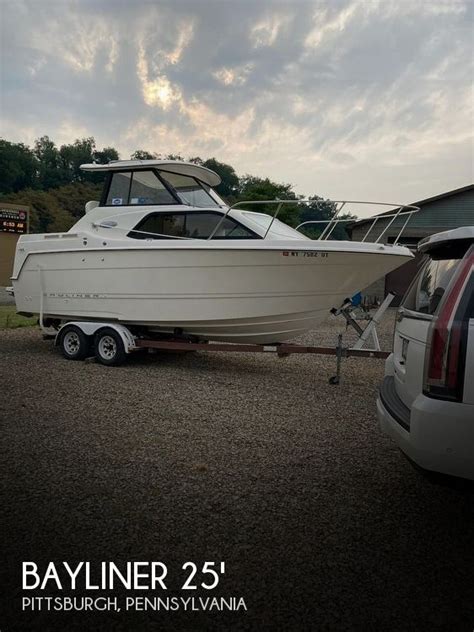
[90, 328]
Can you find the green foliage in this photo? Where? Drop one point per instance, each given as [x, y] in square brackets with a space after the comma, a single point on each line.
[260, 189]
[254, 188]
[171, 157]
[50, 170]
[74, 155]
[73, 197]
[142, 154]
[50, 181]
[320, 210]
[46, 167]
[229, 186]
[17, 167]
[103, 156]
[84, 151]
[9, 319]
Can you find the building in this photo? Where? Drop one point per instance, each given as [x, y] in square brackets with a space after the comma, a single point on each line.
[14, 221]
[441, 212]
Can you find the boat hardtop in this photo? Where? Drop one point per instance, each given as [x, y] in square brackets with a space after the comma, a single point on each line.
[191, 169]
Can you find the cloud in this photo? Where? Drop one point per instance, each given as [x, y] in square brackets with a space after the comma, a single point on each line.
[77, 39]
[236, 76]
[158, 91]
[342, 98]
[265, 32]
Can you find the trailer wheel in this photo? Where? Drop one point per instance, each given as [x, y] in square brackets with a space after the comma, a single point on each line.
[109, 348]
[74, 343]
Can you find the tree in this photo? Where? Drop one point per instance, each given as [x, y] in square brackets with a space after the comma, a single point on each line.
[322, 209]
[73, 197]
[51, 170]
[18, 167]
[229, 185]
[81, 151]
[105, 155]
[196, 160]
[260, 189]
[142, 154]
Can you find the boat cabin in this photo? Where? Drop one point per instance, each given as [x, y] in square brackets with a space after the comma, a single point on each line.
[162, 199]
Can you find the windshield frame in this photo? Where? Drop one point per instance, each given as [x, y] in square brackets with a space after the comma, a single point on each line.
[215, 200]
[108, 182]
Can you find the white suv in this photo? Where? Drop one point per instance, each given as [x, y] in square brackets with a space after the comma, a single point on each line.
[426, 401]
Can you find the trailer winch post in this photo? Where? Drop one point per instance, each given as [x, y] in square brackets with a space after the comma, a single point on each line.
[370, 329]
[346, 310]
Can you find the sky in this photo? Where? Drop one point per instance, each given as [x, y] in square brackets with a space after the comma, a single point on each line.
[355, 99]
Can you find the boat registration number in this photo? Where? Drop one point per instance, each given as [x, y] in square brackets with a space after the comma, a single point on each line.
[305, 253]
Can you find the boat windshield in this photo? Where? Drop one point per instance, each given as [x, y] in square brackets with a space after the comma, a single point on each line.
[191, 191]
[278, 229]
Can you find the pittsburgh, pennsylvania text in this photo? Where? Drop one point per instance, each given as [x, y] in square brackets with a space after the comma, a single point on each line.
[172, 604]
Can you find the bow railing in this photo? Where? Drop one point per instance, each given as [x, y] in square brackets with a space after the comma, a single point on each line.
[400, 210]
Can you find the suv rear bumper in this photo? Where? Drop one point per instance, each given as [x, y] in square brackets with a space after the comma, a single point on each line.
[393, 404]
[440, 434]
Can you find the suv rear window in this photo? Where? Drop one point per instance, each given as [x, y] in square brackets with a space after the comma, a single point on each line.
[427, 289]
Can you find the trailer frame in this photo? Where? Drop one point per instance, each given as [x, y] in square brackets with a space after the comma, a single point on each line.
[282, 350]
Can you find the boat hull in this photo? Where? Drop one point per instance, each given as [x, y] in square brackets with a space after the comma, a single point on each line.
[238, 295]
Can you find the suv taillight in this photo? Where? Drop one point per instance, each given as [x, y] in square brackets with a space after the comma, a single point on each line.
[447, 335]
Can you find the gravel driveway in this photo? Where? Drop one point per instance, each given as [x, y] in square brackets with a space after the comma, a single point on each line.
[250, 459]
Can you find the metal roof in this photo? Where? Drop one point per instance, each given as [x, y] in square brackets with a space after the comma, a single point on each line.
[173, 166]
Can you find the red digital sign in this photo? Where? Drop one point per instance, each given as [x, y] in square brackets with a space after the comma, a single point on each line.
[13, 221]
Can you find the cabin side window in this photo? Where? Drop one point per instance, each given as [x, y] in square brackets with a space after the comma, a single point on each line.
[137, 188]
[194, 225]
[119, 189]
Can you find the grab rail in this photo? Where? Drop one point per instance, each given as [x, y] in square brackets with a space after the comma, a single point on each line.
[333, 221]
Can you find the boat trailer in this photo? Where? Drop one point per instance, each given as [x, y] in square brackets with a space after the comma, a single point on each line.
[281, 350]
[110, 343]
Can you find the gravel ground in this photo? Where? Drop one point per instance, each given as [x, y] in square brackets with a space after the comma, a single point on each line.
[250, 459]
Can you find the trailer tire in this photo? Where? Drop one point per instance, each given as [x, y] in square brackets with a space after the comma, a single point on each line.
[109, 348]
[74, 343]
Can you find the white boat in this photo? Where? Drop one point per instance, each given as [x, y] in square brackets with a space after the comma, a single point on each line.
[162, 251]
